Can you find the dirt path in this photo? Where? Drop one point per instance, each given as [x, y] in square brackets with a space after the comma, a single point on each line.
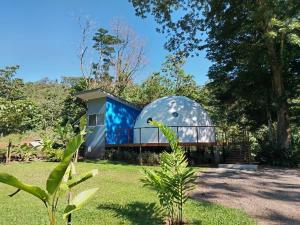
[271, 196]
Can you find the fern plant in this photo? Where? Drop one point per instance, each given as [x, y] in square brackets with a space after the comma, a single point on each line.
[59, 182]
[174, 179]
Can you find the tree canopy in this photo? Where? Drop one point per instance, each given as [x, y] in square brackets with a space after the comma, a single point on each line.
[254, 47]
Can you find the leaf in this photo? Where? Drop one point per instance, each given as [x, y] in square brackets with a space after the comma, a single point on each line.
[294, 39]
[79, 179]
[295, 25]
[277, 22]
[14, 182]
[271, 34]
[78, 202]
[82, 124]
[59, 171]
[70, 172]
[73, 145]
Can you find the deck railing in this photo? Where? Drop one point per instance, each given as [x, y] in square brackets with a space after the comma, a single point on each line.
[126, 135]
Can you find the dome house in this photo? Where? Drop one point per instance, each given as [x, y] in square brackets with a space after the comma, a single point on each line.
[186, 117]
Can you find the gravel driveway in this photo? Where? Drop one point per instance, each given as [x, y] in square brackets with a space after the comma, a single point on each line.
[271, 196]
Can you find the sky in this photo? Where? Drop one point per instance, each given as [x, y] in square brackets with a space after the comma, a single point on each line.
[43, 37]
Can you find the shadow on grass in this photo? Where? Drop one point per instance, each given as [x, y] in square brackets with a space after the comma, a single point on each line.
[140, 213]
[136, 212]
[110, 162]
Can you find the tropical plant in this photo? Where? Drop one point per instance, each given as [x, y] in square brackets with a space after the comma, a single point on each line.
[49, 153]
[26, 152]
[174, 179]
[59, 182]
[54, 155]
[64, 133]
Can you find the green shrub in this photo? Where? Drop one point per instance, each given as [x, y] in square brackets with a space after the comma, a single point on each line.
[150, 158]
[271, 155]
[279, 157]
[49, 153]
[54, 155]
[174, 179]
[25, 153]
[132, 156]
[2, 154]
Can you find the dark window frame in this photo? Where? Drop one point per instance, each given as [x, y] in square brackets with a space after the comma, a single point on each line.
[94, 120]
[98, 119]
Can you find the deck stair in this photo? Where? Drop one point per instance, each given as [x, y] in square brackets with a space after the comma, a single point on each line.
[238, 153]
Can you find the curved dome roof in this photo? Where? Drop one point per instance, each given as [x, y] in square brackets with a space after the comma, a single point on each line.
[176, 111]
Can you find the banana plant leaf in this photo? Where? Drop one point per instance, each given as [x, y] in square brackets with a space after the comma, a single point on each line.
[81, 178]
[34, 190]
[56, 176]
[79, 201]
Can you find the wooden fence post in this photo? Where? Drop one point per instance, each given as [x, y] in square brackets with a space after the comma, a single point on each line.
[8, 152]
[140, 156]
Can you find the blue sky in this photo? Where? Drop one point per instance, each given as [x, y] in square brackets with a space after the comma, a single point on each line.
[43, 37]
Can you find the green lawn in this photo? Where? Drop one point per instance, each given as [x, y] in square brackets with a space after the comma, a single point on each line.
[121, 199]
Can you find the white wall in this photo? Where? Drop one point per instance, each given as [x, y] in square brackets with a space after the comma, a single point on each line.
[190, 114]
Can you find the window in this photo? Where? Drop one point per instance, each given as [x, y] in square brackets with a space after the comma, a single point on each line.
[175, 114]
[149, 120]
[92, 120]
[96, 119]
[100, 119]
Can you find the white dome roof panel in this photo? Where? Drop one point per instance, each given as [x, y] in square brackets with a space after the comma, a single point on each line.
[186, 115]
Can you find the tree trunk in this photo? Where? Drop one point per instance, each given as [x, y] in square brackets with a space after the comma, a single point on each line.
[283, 131]
[270, 127]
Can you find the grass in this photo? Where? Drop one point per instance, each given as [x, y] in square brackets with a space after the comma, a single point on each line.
[121, 199]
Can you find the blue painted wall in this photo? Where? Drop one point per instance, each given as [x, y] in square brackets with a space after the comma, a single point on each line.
[119, 122]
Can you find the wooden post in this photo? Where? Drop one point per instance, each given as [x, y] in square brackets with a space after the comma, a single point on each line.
[140, 156]
[8, 152]
[140, 129]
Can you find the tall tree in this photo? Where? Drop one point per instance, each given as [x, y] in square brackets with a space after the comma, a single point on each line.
[237, 32]
[104, 44]
[117, 57]
[11, 88]
[153, 88]
[130, 55]
[49, 97]
[176, 79]
[73, 107]
[17, 114]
